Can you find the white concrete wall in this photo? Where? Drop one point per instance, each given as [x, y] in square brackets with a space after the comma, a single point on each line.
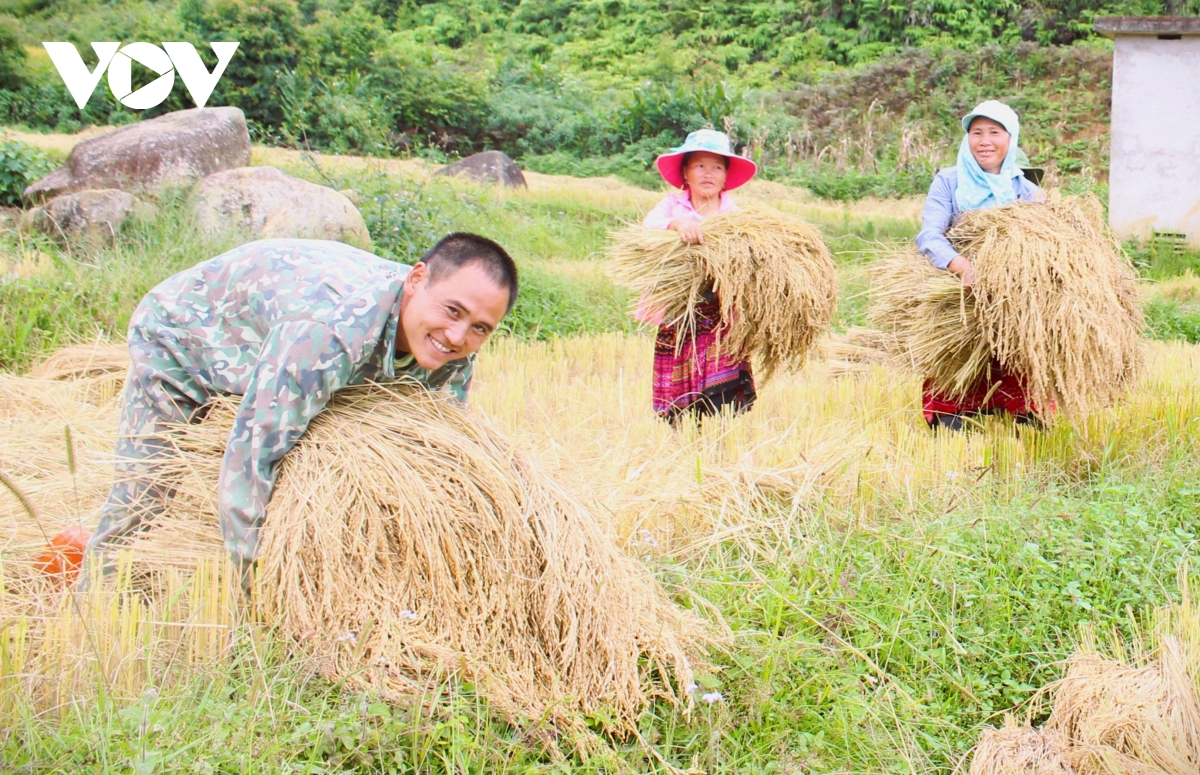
[1154, 172]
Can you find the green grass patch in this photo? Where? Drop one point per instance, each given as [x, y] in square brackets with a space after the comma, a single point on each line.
[1168, 320]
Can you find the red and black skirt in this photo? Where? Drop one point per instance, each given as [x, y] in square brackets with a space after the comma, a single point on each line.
[1003, 392]
[697, 375]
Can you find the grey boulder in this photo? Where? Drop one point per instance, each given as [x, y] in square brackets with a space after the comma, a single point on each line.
[263, 202]
[174, 149]
[487, 167]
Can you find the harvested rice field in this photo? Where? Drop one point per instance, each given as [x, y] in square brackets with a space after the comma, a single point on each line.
[820, 467]
[820, 585]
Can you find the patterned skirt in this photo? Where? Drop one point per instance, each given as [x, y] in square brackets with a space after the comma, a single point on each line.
[700, 377]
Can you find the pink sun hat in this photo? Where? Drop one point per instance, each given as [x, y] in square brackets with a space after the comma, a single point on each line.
[738, 173]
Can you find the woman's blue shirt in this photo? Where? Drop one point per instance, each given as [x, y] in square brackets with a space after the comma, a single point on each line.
[941, 212]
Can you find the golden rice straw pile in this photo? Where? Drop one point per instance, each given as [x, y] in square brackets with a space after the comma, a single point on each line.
[856, 350]
[52, 433]
[1129, 719]
[406, 536]
[1055, 301]
[1019, 749]
[80, 361]
[55, 423]
[771, 271]
[1135, 712]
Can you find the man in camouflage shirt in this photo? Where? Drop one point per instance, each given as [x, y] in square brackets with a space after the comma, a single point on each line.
[285, 323]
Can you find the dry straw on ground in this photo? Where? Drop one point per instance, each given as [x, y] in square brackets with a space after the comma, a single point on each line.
[1055, 301]
[79, 361]
[405, 533]
[856, 350]
[1122, 718]
[1019, 749]
[772, 272]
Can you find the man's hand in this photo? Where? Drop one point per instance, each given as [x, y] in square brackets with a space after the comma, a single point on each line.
[964, 269]
[689, 231]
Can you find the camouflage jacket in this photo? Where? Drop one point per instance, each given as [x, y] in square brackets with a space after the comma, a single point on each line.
[284, 323]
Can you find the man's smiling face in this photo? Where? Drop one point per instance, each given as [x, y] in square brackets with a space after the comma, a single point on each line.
[451, 317]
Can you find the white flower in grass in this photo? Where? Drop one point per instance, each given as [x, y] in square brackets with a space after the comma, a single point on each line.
[408, 616]
[693, 688]
[349, 637]
[711, 697]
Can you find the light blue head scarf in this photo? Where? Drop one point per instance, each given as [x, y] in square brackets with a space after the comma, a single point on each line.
[976, 188]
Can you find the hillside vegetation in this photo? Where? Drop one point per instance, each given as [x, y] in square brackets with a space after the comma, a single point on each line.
[846, 98]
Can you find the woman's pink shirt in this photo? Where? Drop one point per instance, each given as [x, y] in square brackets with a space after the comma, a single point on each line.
[673, 206]
[679, 205]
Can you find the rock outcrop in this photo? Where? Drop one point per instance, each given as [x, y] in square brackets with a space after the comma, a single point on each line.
[487, 167]
[264, 202]
[173, 149]
[88, 216]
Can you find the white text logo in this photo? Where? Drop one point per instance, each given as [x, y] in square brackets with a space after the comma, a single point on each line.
[118, 61]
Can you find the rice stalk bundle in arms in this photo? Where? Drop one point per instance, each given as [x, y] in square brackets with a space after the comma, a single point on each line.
[930, 322]
[1056, 297]
[1055, 302]
[406, 537]
[772, 272]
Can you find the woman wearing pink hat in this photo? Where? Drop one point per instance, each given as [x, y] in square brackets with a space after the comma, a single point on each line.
[696, 375]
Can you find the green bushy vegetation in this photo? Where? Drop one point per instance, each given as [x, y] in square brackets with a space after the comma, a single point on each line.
[848, 98]
[1168, 320]
[20, 165]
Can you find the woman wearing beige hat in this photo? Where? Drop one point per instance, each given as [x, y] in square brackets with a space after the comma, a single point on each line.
[988, 174]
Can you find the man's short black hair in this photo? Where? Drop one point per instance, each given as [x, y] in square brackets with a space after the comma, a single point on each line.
[456, 250]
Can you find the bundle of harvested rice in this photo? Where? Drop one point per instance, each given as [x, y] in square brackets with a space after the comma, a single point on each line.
[1019, 749]
[1134, 712]
[407, 537]
[1129, 719]
[1055, 301]
[1056, 297]
[929, 322]
[771, 271]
